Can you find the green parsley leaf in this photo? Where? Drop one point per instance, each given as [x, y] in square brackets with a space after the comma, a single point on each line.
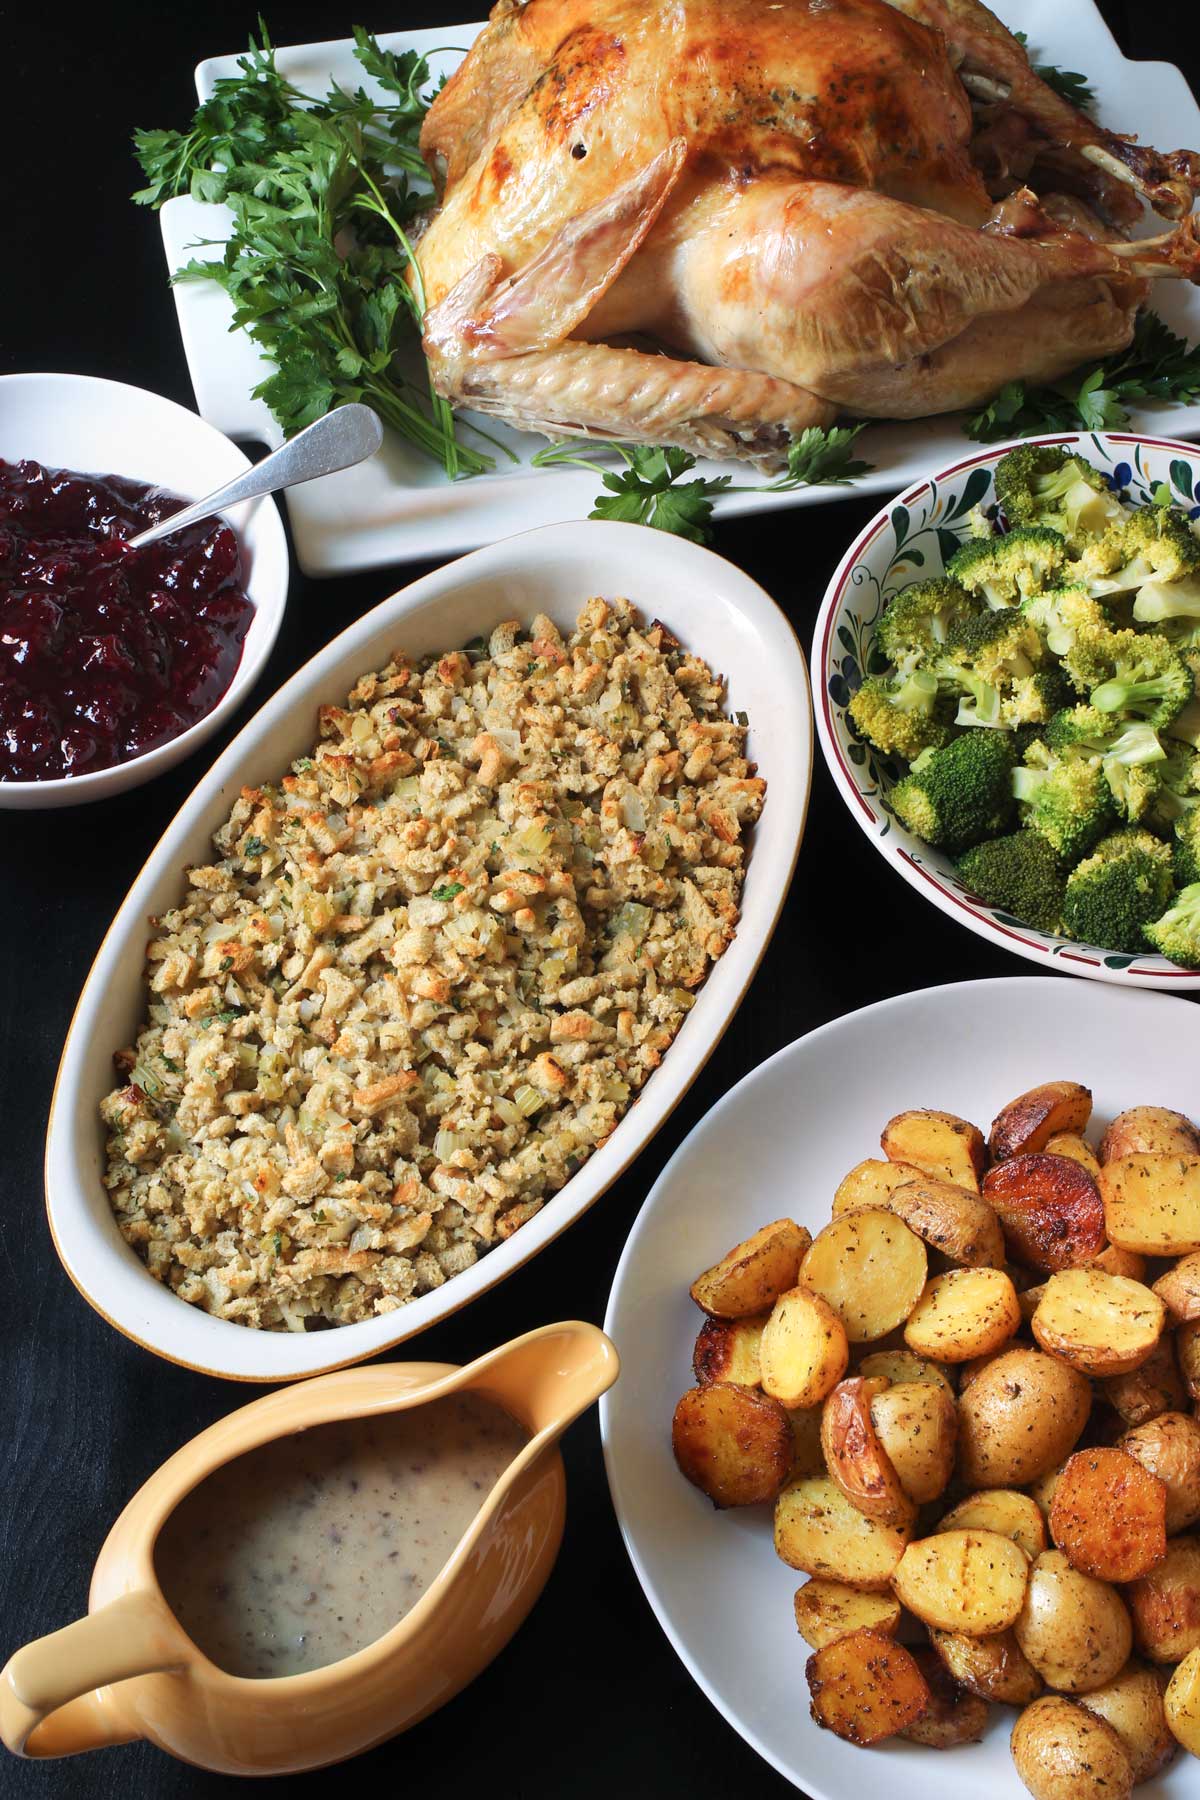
[821, 459]
[254, 846]
[447, 892]
[1068, 82]
[168, 1064]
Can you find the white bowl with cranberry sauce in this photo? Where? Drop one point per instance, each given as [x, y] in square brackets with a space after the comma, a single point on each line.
[106, 428]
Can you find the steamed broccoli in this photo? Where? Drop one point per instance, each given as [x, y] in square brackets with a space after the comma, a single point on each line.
[1061, 613]
[991, 662]
[959, 795]
[1019, 874]
[914, 623]
[1177, 933]
[1153, 543]
[1187, 847]
[900, 714]
[1135, 673]
[1037, 484]
[1005, 570]
[1128, 754]
[1177, 786]
[1067, 799]
[1115, 893]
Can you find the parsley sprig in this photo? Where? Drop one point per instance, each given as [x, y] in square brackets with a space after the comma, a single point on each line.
[323, 194]
[1068, 82]
[1157, 365]
[650, 489]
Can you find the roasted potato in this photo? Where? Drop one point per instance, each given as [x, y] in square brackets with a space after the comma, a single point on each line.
[803, 1352]
[807, 1456]
[1102, 1324]
[1132, 1703]
[917, 1425]
[1149, 1131]
[1029, 1299]
[952, 1220]
[817, 1530]
[954, 1715]
[1187, 1352]
[1072, 1628]
[870, 1268]
[1069, 1143]
[827, 1610]
[1063, 1752]
[1050, 1210]
[1043, 1490]
[902, 1366]
[733, 1443]
[963, 1314]
[1020, 1416]
[965, 1581]
[1109, 1515]
[1169, 1447]
[865, 1688]
[1181, 1703]
[1179, 1289]
[1002, 1510]
[728, 1350]
[1166, 1604]
[939, 1143]
[750, 1277]
[855, 1458]
[1029, 1121]
[1156, 1386]
[1152, 1203]
[869, 1183]
[995, 1667]
[1112, 1260]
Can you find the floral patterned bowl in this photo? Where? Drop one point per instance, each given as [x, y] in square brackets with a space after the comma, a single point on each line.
[911, 540]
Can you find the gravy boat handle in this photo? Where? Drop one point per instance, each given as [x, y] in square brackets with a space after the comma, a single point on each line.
[53, 1681]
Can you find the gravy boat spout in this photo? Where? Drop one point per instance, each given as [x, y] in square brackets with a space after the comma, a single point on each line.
[129, 1669]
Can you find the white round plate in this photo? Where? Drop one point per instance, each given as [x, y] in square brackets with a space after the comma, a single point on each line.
[778, 1144]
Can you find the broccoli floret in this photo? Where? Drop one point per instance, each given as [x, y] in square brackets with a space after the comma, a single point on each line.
[992, 663]
[1153, 543]
[1018, 874]
[959, 795]
[1134, 673]
[1187, 848]
[1115, 893]
[1065, 798]
[900, 715]
[1127, 754]
[1006, 570]
[1037, 484]
[1169, 588]
[1176, 786]
[1177, 933]
[913, 625]
[1061, 613]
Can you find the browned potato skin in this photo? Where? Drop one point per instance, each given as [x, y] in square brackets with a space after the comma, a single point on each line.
[1187, 1352]
[828, 1610]
[1132, 1704]
[856, 1459]
[1149, 1131]
[1069, 1143]
[954, 1715]
[954, 1220]
[727, 1350]
[1073, 1629]
[939, 1143]
[1027, 1122]
[1169, 1447]
[865, 1688]
[1109, 1515]
[1062, 1752]
[1050, 1210]
[995, 1667]
[733, 1443]
[1179, 1290]
[750, 1277]
[1020, 1416]
[1156, 1387]
[1166, 1604]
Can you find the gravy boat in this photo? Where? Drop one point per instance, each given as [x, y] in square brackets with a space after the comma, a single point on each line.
[129, 1670]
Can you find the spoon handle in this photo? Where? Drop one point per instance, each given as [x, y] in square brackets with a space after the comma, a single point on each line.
[342, 438]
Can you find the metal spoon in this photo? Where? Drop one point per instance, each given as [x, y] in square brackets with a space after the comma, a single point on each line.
[338, 441]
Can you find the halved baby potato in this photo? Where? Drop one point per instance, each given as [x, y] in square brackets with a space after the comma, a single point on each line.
[750, 1277]
[1149, 1130]
[827, 1610]
[1063, 1752]
[964, 1581]
[994, 1667]
[1109, 1515]
[871, 1270]
[1003, 1510]
[1072, 1628]
[1168, 1446]
[903, 1366]
[728, 1350]
[804, 1352]
[1020, 1417]
[1101, 1324]
[1181, 1703]
[855, 1458]
[1112, 1260]
[1155, 1386]
[1050, 1210]
[1069, 1143]
[869, 1183]
[1152, 1203]
[1179, 1289]
[954, 1715]
[950, 1219]
[917, 1425]
[1028, 1122]
[1132, 1703]
[733, 1443]
[940, 1143]
[963, 1314]
[817, 1530]
[865, 1688]
[1166, 1604]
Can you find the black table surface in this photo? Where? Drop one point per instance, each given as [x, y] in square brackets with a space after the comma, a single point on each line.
[589, 1699]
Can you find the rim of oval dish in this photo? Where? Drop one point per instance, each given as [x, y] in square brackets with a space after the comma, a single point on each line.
[1079, 959]
[268, 560]
[652, 1106]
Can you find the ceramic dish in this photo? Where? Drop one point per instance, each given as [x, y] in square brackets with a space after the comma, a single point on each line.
[779, 1143]
[400, 504]
[106, 427]
[910, 540]
[717, 611]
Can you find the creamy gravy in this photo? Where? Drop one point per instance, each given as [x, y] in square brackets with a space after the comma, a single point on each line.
[311, 1547]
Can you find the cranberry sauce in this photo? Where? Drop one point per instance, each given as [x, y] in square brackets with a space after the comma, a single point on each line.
[106, 652]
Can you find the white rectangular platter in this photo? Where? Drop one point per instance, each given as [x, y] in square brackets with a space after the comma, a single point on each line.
[400, 505]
